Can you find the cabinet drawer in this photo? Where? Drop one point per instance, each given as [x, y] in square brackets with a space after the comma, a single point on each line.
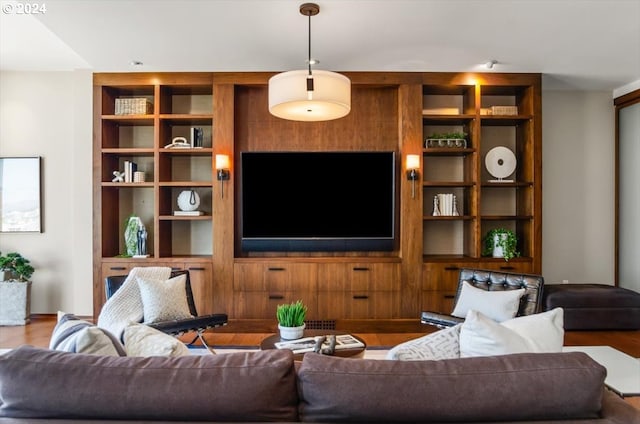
[358, 305]
[359, 277]
[263, 304]
[438, 301]
[274, 276]
[518, 266]
[443, 276]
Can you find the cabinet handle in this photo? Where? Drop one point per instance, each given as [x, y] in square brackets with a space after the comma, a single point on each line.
[360, 268]
[275, 268]
[449, 296]
[196, 268]
[117, 268]
[175, 268]
[276, 297]
[451, 268]
[507, 268]
[360, 296]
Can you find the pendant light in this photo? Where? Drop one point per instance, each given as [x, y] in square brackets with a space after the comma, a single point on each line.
[306, 95]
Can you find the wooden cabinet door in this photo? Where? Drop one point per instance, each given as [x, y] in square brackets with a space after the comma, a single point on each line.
[201, 278]
[262, 304]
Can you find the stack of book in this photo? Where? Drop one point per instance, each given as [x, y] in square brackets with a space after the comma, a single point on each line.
[308, 344]
[129, 168]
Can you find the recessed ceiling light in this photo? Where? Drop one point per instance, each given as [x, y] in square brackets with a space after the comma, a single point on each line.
[490, 64]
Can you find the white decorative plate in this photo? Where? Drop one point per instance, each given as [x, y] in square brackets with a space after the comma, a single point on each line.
[188, 200]
[500, 162]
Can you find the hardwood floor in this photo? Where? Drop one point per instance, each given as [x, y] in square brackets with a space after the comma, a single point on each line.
[38, 332]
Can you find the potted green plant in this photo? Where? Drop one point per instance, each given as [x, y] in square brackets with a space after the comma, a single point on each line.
[451, 139]
[501, 243]
[15, 289]
[291, 320]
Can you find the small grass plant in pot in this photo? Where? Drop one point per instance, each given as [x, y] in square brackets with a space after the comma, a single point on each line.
[501, 243]
[291, 320]
[15, 289]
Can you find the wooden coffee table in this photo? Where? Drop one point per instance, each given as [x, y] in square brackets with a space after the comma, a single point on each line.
[269, 343]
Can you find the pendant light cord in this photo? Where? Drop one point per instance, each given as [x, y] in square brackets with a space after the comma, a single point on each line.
[309, 47]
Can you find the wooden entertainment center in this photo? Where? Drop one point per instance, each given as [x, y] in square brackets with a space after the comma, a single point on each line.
[393, 111]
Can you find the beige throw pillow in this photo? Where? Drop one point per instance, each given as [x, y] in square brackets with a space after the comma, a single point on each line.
[142, 340]
[164, 300]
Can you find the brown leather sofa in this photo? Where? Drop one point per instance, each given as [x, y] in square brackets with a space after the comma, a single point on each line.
[40, 385]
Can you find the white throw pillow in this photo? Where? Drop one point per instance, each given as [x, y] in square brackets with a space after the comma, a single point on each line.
[142, 340]
[498, 305]
[72, 334]
[538, 333]
[443, 344]
[164, 300]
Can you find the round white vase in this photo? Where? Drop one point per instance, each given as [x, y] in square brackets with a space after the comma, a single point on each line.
[291, 333]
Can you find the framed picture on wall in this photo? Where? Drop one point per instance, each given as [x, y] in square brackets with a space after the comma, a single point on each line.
[20, 195]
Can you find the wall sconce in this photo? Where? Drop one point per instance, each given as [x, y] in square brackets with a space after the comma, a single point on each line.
[413, 172]
[222, 171]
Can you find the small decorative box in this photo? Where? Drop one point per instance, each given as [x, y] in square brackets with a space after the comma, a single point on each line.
[504, 110]
[133, 106]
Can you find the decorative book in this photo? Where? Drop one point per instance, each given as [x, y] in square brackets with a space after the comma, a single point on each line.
[188, 213]
[307, 344]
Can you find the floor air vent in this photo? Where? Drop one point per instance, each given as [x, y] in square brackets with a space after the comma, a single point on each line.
[320, 324]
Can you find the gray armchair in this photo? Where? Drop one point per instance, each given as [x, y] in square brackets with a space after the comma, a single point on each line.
[530, 303]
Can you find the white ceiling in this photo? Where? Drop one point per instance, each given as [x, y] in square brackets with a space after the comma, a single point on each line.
[576, 44]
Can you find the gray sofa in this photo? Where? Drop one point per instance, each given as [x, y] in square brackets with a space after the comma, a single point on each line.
[40, 385]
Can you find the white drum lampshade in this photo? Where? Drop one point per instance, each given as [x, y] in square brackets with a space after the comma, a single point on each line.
[289, 98]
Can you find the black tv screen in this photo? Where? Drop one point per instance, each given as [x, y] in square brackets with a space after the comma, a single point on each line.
[318, 201]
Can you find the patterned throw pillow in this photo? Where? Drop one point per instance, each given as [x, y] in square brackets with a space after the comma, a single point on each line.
[443, 344]
[497, 305]
[537, 333]
[72, 334]
[142, 340]
[164, 300]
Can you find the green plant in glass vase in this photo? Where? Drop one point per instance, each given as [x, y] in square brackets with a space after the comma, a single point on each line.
[501, 243]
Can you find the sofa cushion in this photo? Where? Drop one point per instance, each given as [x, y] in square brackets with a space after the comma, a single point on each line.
[499, 305]
[537, 333]
[251, 386]
[510, 388]
[71, 334]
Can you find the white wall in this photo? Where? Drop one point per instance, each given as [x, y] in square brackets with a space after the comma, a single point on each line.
[50, 115]
[578, 186]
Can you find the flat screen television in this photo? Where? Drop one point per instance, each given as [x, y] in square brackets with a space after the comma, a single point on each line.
[318, 201]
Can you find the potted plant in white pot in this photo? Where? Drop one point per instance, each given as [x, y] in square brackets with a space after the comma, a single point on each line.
[291, 320]
[501, 243]
[15, 289]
